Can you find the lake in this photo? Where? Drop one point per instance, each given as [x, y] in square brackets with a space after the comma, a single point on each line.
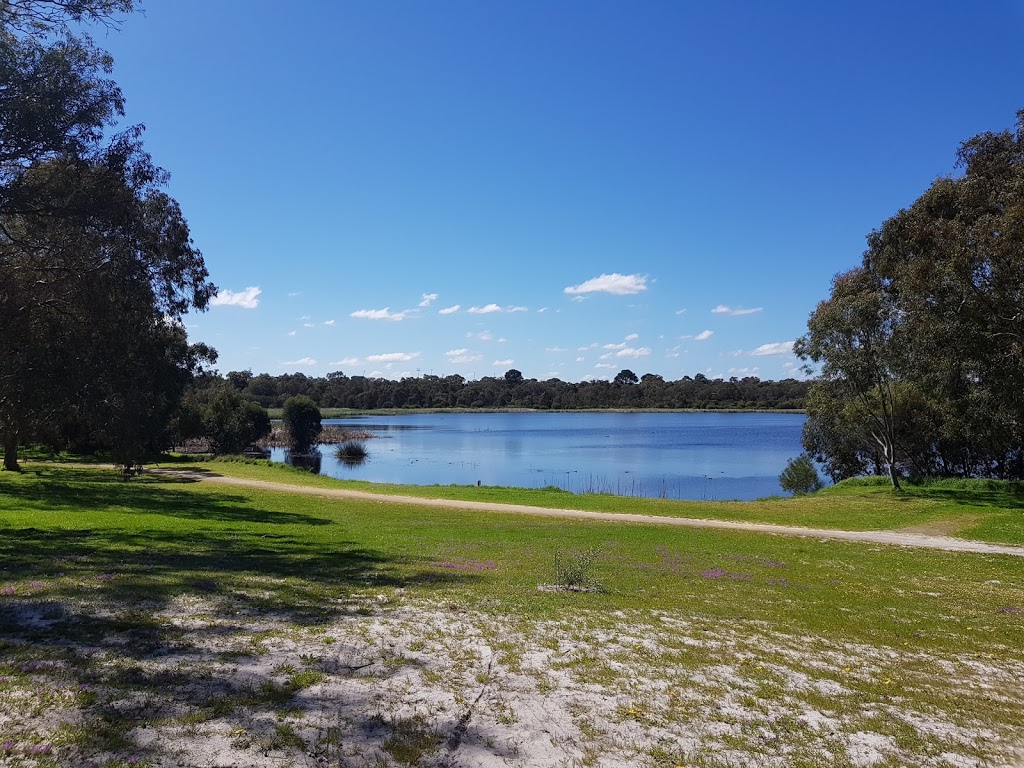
[673, 455]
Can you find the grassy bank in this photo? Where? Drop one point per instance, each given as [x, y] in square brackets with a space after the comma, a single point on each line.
[978, 509]
[141, 621]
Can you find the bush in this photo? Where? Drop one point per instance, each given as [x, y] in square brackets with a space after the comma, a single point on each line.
[800, 476]
[351, 452]
[572, 570]
[231, 423]
[302, 420]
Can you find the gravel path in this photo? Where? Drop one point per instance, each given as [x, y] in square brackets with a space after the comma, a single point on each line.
[903, 539]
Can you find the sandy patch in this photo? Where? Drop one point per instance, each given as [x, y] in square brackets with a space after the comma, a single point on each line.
[398, 682]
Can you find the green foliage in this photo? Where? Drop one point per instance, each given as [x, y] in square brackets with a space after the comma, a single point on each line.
[800, 476]
[351, 452]
[302, 420]
[97, 261]
[573, 569]
[921, 347]
[232, 423]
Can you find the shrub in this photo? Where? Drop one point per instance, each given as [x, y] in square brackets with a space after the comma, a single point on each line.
[302, 420]
[800, 476]
[572, 570]
[351, 452]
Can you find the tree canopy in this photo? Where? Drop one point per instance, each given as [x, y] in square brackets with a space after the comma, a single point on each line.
[98, 263]
[921, 348]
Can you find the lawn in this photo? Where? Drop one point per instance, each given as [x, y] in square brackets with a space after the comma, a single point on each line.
[973, 509]
[158, 622]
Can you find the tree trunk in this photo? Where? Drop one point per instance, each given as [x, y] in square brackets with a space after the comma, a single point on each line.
[894, 475]
[11, 452]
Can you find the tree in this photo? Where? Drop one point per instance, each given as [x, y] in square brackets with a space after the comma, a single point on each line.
[937, 376]
[302, 420]
[513, 377]
[625, 376]
[853, 336]
[800, 476]
[232, 423]
[97, 260]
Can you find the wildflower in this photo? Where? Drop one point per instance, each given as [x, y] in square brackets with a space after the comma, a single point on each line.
[37, 584]
[887, 681]
[7, 746]
[7, 590]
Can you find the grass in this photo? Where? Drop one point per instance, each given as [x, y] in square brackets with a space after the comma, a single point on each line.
[982, 510]
[90, 557]
[151, 539]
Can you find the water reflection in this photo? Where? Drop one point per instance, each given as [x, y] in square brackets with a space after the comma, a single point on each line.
[669, 455]
[309, 461]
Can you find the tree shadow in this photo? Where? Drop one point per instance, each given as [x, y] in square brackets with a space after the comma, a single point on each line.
[96, 490]
[1010, 497]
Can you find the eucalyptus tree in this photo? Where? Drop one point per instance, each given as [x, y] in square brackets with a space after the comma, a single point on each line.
[97, 261]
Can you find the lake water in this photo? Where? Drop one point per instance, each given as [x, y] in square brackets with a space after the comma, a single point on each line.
[673, 455]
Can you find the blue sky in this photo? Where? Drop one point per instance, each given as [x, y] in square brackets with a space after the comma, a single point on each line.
[565, 188]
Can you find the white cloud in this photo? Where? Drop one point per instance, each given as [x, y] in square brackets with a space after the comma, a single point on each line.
[776, 348]
[517, 309]
[378, 314]
[483, 336]
[292, 333]
[555, 349]
[393, 357]
[633, 337]
[744, 371]
[456, 352]
[450, 310]
[309, 325]
[503, 362]
[614, 346]
[427, 299]
[703, 335]
[607, 366]
[486, 310]
[247, 299]
[580, 359]
[619, 285]
[293, 294]
[328, 322]
[542, 309]
[307, 362]
[346, 361]
[633, 353]
[722, 309]
[580, 298]
[680, 311]
[463, 359]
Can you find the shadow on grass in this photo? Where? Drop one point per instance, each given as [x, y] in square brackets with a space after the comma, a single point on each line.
[97, 490]
[1009, 496]
[108, 630]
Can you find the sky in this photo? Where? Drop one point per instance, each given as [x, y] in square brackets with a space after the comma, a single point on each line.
[569, 189]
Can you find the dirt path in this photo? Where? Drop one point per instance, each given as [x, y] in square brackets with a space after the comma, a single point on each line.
[899, 538]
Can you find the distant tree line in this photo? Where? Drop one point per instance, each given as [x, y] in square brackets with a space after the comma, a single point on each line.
[513, 390]
[920, 349]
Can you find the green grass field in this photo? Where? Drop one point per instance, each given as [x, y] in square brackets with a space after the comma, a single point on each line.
[975, 509]
[97, 557]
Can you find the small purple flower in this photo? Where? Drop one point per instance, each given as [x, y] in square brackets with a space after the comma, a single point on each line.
[105, 577]
[781, 582]
[41, 749]
[7, 590]
[1008, 609]
[714, 573]
[37, 584]
[7, 746]
[133, 761]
